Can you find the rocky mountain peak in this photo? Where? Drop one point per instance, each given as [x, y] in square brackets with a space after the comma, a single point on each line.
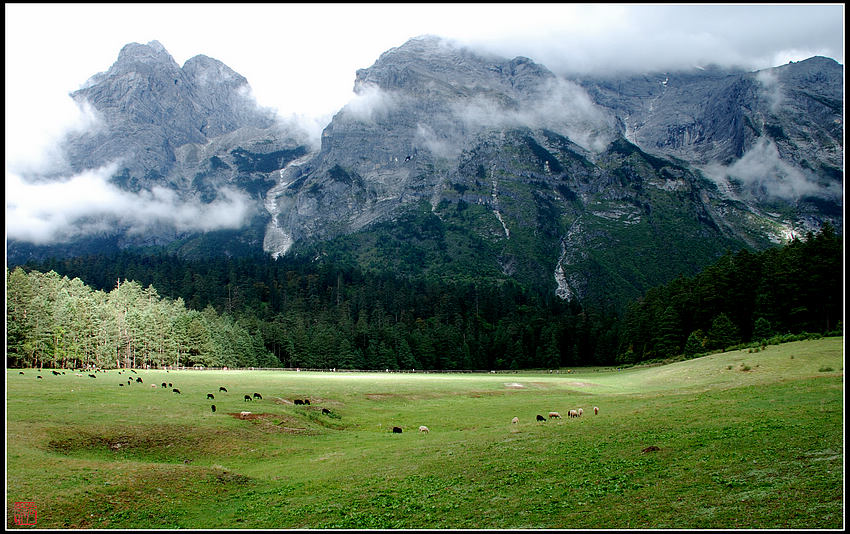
[429, 65]
[151, 57]
[150, 108]
[204, 71]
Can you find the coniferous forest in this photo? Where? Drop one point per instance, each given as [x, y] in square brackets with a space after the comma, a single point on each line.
[136, 309]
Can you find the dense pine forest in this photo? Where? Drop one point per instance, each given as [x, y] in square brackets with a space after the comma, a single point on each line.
[136, 309]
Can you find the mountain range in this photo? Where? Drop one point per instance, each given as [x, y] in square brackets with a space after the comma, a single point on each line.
[455, 164]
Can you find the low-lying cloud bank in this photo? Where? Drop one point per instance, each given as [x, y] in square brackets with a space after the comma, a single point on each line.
[50, 212]
[762, 172]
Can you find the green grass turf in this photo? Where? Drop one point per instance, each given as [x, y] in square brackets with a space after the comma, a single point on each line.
[744, 440]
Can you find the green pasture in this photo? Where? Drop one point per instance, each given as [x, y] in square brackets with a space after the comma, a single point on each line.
[732, 440]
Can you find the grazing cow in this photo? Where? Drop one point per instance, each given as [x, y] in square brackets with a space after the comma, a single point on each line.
[258, 396]
[139, 380]
[89, 375]
[20, 372]
[222, 388]
[595, 410]
[55, 373]
[396, 430]
[121, 384]
[556, 415]
[210, 396]
[213, 408]
[175, 390]
[299, 401]
[515, 421]
[169, 384]
[247, 398]
[573, 413]
[163, 384]
[541, 418]
[424, 429]
[325, 411]
[133, 371]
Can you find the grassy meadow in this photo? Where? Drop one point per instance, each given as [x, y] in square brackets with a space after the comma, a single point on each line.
[732, 440]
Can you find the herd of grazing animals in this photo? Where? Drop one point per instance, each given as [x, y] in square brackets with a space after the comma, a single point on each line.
[395, 429]
[555, 415]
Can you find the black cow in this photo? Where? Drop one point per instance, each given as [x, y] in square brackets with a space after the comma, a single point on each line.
[121, 384]
[213, 408]
[307, 401]
[92, 376]
[133, 371]
[175, 390]
[325, 411]
[396, 430]
[299, 401]
[39, 376]
[163, 384]
[169, 384]
[222, 388]
[55, 373]
[541, 418]
[20, 372]
[247, 398]
[258, 396]
[210, 396]
[139, 380]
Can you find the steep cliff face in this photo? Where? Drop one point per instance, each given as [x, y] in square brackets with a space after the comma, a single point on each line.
[170, 126]
[785, 123]
[454, 164]
[418, 109]
[584, 187]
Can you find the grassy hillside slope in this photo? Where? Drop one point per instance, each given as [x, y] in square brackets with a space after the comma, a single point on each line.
[733, 440]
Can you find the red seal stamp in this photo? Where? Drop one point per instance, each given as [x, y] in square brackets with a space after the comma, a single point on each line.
[26, 513]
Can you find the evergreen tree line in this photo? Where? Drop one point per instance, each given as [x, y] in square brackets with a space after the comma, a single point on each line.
[742, 298]
[54, 321]
[298, 312]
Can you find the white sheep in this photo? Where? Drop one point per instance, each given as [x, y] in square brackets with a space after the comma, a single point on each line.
[595, 410]
[554, 414]
[580, 411]
[515, 420]
[423, 429]
[573, 413]
[244, 414]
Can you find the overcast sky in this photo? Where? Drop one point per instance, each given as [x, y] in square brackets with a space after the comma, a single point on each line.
[301, 58]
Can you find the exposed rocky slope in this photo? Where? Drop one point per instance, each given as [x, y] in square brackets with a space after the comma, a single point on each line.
[546, 178]
[461, 165]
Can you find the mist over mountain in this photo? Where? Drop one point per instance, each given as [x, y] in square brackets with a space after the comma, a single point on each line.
[458, 164]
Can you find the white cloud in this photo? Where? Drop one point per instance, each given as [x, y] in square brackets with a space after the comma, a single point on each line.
[85, 204]
[761, 171]
[559, 105]
[771, 90]
[370, 103]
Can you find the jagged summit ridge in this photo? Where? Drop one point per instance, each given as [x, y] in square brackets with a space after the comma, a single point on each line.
[150, 107]
[474, 165]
